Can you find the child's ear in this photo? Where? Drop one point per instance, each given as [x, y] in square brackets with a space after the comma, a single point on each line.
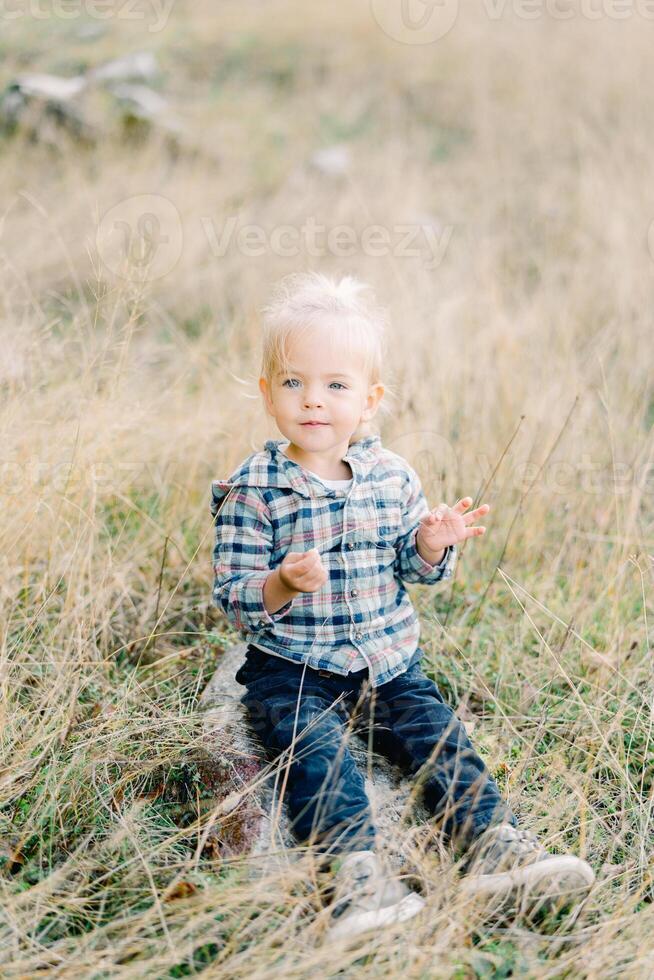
[263, 388]
[375, 395]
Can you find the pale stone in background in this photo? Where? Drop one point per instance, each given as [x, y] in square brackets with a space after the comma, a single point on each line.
[258, 824]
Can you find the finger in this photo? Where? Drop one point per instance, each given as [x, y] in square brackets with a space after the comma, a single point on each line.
[310, 583]
[301, 572]
[462, 504]
[303, 557]
[311, 556]
[293, 557]
[476, 514]
[472, 532]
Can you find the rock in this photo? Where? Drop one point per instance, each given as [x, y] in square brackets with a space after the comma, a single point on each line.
[44, 105]
[91, 32]
[143, 101]
[333, 161]
[252, 820]
[140, 66]
[50, 87]
[140, 103]
[468, 718]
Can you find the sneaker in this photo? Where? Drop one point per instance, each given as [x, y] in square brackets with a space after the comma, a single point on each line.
[366, 898]
[510, 864]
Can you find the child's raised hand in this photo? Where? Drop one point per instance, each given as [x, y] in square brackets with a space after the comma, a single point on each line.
[303, 571]
[445, 525]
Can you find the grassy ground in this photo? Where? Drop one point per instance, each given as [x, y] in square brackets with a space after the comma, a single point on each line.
[520, 372]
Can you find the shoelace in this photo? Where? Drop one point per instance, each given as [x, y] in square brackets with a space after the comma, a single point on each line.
[508, 834]
[506, 837]
[527, 839]
[360, 876]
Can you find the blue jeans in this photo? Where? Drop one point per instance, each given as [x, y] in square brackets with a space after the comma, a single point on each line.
[306, 714]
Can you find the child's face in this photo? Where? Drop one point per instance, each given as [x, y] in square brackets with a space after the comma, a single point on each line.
[324, 385]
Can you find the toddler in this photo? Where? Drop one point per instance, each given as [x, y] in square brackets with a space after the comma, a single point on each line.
[316, 536]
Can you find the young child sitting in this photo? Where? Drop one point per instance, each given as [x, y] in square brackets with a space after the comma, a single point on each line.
[316, 535]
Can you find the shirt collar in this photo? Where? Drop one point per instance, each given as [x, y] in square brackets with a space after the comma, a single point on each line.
[272, 468]
[360, 455]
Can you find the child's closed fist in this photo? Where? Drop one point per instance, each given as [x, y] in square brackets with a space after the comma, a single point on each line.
[303, 571]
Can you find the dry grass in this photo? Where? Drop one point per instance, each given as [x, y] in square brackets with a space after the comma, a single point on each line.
[522, 373]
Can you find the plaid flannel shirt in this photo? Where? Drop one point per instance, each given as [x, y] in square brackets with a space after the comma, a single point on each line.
[366, 536]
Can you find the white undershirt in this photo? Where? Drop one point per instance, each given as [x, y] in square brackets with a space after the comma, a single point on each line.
[333, 484]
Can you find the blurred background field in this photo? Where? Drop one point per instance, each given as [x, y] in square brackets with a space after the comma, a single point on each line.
[494, 185]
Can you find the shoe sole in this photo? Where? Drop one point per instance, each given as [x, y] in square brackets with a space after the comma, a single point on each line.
[360, 922]
[552, 881]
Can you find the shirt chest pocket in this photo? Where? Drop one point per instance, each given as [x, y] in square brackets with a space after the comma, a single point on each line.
[389, 519]
[362, 522]
[375, 523]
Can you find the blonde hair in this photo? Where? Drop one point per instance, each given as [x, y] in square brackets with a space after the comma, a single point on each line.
[345, 308]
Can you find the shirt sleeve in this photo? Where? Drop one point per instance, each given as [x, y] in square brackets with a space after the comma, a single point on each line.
[241, 560]
[410, 566]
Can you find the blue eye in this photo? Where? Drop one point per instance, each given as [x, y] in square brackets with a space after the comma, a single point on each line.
[294, 383]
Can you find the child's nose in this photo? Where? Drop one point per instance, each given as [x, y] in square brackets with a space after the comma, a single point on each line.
[312, 399]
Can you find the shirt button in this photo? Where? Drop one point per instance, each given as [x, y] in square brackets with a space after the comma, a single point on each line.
[354, 592]
[358, 636]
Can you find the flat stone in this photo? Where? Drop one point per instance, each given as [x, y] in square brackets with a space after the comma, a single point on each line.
[332, 161]
[87, 105]
[240, 775]
[139, 66]
[51, 87]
